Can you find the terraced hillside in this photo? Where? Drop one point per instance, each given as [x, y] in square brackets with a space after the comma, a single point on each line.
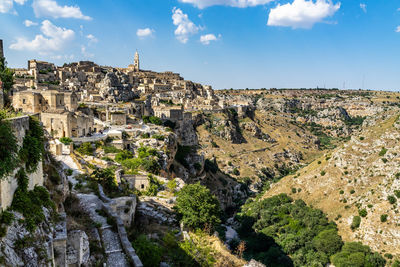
[357, 184]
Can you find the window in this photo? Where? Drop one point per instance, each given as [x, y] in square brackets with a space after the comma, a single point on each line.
[142, 186]
[23, 101]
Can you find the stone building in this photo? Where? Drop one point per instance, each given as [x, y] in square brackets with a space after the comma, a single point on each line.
[62, 123]
[169, 113]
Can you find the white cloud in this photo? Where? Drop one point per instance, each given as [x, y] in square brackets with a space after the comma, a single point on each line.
[233, 3]
[302, 13]
[207, 38]
[185, 27]
[53, 38]
[398, 29]
[7, 5]
[92, 38]
[143, 33]
[85, 53]
[363, 7]
[29, 23]
[50, 8]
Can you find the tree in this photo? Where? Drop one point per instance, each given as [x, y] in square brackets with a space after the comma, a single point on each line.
[197, 206]
[6, 75]
[328, 241]
[356, 254]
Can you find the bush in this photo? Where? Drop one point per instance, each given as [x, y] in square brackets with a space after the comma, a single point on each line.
[328, 241]
[149, 252]
[86, 149]
[158, 137]
[123, 155]
[111, 149]
[382, 152]
[323, 173]
[392, 199]
[397, 193]
[30, 203]
[6, 217]
[236, 171]
[172, 185]
[356, 254]
[152, 119]
[65, 140]
[8, 149]
[356, 222]
[363, 213]
[197, 206]
[384, 217]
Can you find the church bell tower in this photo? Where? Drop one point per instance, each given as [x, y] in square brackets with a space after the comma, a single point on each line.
[136, 62]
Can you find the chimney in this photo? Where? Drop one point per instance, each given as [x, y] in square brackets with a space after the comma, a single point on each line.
[1, 49]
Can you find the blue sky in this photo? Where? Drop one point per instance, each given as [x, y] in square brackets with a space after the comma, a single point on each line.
[224, 43]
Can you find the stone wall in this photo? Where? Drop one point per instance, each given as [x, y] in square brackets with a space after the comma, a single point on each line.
[20, 126]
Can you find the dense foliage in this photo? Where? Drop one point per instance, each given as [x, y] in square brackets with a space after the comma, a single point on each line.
[106, 178]
[147, 160]
[302, 232]
[32, 147]
[66, 140]
[152, 119]
[6, 75]
[197, 206]
[86, 149]
[30, 203]
[357, 255]
[8, 149]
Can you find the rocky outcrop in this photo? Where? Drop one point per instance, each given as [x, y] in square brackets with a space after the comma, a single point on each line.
[19, 247]
[115, 87]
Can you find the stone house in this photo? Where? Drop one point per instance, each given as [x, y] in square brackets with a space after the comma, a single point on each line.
[169, 113]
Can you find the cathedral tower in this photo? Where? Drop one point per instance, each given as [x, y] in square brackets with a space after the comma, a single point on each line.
[136, 62]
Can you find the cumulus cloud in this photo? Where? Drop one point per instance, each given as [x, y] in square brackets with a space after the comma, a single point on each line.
[207, 38]
[6, 6]
[29, 23]
[363, 7]
[92, 39]
[50, 8]
[143, 33]
[185, 27]
[398, 29]
[302, 13]
[233, 3]
[53, 38]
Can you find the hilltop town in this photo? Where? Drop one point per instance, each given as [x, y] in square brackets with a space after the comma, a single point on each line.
[99, 160]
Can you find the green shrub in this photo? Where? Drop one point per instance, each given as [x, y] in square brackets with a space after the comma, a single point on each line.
[172, 185]
[149, 252]
[30, 203]
[111, 149]
[384, 217]
[145, 135]
[352, 191]
[86, 149]
[397, 193]
[392, 199]
[65, 140]
[356, 254]
[236, 171]
[152, 119]
[323, 173]
[382, 152]
[294, 190]
[154, 186]
[6, 217]
[158, 137]
[123, 155]
[363, 213]
[32, 148]
[8, 149]
[197, 206]
[356, 222]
